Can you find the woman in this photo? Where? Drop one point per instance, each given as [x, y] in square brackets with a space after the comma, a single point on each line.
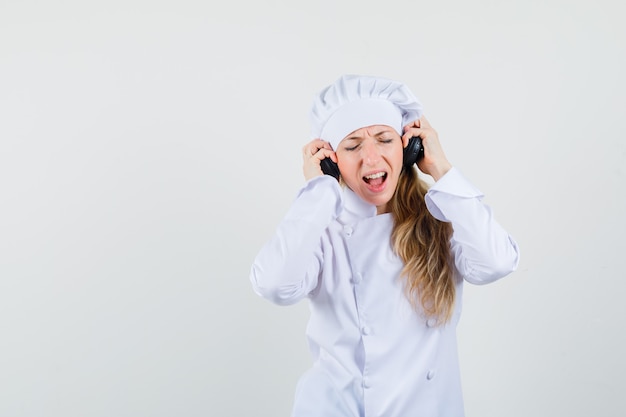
[381, 258]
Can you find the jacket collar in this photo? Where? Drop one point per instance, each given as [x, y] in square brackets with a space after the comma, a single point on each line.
[354, 207]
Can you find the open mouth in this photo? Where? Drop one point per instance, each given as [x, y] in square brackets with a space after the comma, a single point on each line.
[376, 179]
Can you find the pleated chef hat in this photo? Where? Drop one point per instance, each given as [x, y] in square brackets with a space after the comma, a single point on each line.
[356, 101]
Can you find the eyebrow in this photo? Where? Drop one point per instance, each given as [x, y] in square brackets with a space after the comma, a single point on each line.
[382, 132]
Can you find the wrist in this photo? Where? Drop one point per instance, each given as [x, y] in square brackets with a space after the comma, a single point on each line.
[441, 170]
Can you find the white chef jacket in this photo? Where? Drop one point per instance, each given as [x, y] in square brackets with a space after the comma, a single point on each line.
[374, 354]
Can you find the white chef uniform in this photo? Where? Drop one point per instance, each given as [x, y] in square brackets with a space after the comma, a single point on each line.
[374, 354]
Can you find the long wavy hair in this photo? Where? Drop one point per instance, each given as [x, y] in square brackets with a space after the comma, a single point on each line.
[423, 244]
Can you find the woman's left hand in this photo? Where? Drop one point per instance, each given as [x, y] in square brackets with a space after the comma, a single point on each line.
[434, 162]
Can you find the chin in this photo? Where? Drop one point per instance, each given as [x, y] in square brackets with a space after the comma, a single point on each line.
[380, 202]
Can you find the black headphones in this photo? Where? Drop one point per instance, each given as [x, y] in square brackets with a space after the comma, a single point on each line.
[413, 152]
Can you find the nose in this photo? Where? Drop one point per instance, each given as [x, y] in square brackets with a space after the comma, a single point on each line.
[371, 153]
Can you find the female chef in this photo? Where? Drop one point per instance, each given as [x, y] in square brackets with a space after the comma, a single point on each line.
[381, 257]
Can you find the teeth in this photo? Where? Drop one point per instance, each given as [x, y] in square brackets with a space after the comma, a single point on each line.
[377, 175]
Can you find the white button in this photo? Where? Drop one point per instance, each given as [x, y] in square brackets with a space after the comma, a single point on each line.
[366, 330]
[366, 383]
[347, 230]
[357, 278]
[430, 375]
[431, 322]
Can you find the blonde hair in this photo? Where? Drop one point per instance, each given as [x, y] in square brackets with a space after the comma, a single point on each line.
[423, 244]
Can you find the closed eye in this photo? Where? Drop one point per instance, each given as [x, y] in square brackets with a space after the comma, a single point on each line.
[353, 147]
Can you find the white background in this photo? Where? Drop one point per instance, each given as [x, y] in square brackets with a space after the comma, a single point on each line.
[149, 148]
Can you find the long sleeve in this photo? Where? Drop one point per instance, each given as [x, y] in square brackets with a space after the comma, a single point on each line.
[287, 267]
[483, 251]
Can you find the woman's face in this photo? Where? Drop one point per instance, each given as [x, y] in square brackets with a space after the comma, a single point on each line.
[370, 161]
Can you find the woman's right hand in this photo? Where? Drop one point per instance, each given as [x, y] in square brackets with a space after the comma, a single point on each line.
[312, 155]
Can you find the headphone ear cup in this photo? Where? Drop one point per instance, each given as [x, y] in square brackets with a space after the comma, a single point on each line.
[413, 152]
[329, 167]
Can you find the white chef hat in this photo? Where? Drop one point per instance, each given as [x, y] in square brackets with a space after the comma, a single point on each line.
[356, 101]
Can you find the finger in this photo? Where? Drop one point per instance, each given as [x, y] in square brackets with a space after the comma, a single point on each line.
[411, 133]
[405, 140]
[413, 124]
[325, 153]
[320, 143]
[424, 122]
[312, 147]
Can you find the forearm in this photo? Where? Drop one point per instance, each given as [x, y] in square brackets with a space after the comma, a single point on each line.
[288, 265]
[483, 251]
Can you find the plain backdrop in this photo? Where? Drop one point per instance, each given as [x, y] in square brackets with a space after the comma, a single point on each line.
[149, 148]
